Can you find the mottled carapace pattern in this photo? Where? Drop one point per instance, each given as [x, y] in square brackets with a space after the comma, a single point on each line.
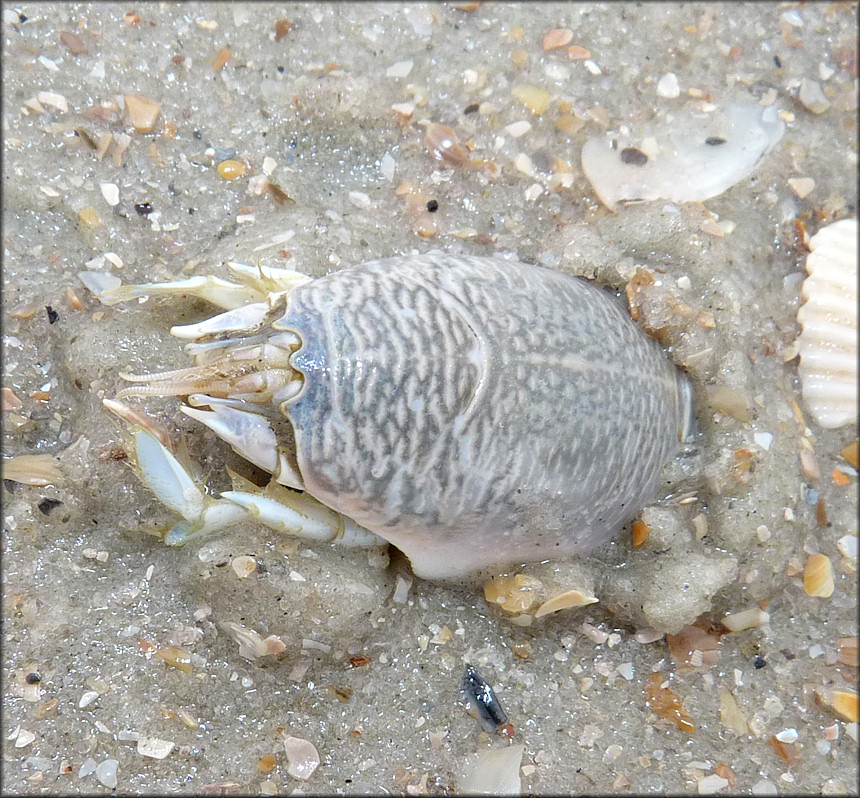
[477, 411]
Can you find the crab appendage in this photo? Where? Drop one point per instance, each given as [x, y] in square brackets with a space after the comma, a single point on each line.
[221, 293]
[286, 511]
[256, 283]
[173, 486]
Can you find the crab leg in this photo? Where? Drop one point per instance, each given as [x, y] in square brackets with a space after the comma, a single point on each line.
[305, 517]
[292, 513]
[256, 283]
[173, 486]
[219, 292]
[267, 279]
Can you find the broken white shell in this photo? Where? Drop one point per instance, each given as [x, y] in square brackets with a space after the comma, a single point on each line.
[692, 159]
[496, 771]
[828, 342]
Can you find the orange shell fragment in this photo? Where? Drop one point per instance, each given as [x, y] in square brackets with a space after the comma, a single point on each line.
[666, 704]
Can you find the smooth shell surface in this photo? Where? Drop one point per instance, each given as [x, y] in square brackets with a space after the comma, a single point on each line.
[691, 159]
[828, 342]
[477, 411]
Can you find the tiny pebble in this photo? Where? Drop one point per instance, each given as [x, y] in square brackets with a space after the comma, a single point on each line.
[106, 773]
[110, 191]
[230, 170]
[387, 166]
[764, 787]
[769, 97]
[269, 165]
[847, 546]
[710, 785]
[400, 69]
[577, 53]
[53, 99]
[243, 566]
[401, 589]
[812, 97]
[801, 186]
[533, 97]
[524, 164]
[668, 86]
[274, 645]
[787, 736]
[142, 112]
[73, 43]
[558, 37]
[646, 636]
[48, 64]
[24, 737]
[302, 756]
[597, 635]
[360, 199]
[88, 766]
[710, 227]
[763, 439]
[825, 72]
[154, 747]
[592, 67]
[87, 698]
[792, 18]
[517, 129]
[89, 216]
[533, 192]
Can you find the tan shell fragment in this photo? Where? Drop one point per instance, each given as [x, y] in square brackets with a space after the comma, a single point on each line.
[564, 601]
[557, 37]
[846, 651]
[745, 619]
[818, 576]
[828, 342]
[516, 593]
[730, 714]
[843, 702]
[35, 470]
[534, 98]
[142, 112]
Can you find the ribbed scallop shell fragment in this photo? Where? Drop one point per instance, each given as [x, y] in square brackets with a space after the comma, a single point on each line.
[828, 341]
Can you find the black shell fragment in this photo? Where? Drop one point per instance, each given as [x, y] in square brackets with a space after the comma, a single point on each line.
[479, 695]
[633, 156]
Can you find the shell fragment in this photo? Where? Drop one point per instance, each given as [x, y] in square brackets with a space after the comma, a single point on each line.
[828, 342]
[696, 160]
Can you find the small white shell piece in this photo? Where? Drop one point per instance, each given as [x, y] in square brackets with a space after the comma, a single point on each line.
[828, 341]
[689, 158]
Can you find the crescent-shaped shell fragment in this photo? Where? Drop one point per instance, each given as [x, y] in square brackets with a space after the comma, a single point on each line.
[691, 160]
